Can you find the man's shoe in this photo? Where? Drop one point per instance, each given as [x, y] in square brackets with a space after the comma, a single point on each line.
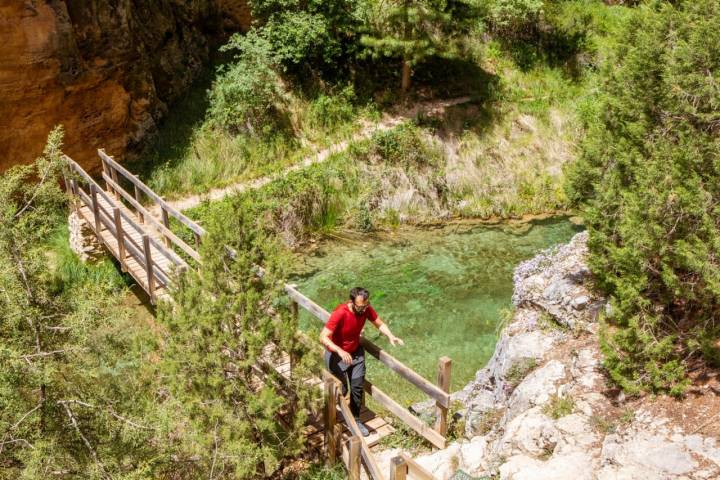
[362, 427]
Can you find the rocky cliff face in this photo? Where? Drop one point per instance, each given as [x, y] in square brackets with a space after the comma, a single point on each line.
[106, 70]
[543, 409]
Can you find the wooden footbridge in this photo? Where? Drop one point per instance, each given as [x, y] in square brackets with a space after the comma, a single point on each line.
[147, 247]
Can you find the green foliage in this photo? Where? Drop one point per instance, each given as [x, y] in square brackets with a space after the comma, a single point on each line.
[558, 406]
[519, 370]
[404, 146]
[320, 471]
[648, 182]
[413, 30]
[511, 17]
[328, 110]
[222, 319]
[246, 96]
[71, 396]
[321, 35]
[408, 29]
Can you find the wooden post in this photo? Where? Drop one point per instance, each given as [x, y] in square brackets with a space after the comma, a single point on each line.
[148, 266]
[73, 185]
[294, 311]
[96, 211]
[106, 170]
[354, 458]
[119, 237]
[166, 222]
[141, 217]
[197, 241]
[114, 175]
[69, 186]
[329, 414]
[398, 468]
[443, 381]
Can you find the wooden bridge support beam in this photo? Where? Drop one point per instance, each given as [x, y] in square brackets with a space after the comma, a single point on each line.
[443, 381]
[96, 211]
[119, 235]
[330, 418]
[149, 267]
[353, 458]
[398, 468]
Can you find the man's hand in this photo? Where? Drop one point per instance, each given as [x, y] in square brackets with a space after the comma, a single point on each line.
[345, 356]
[395, 340]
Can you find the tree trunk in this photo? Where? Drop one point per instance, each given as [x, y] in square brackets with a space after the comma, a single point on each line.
[405, 85]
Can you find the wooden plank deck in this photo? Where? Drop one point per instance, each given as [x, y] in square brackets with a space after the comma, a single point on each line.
[130, 262]
[378, 426]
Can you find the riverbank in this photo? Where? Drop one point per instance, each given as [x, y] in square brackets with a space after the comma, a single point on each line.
[544, 409]
[445, 290]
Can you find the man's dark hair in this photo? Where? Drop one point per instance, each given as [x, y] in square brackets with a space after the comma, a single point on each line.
[359, 292]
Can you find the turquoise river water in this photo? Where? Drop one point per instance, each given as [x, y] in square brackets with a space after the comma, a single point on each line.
[442, 290]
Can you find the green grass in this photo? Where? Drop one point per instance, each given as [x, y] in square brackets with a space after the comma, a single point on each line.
[70, 272]
[519, 370]
[320, 471]
[559, 407]
[190, 155]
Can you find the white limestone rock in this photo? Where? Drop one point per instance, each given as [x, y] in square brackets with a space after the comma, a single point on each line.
[573, 466]
[536, 389]
[531, 433]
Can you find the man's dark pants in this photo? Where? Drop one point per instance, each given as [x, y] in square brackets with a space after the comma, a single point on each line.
[352, 375]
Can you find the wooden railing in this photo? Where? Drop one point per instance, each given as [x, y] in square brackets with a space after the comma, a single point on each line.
[440, 392]
[110, 215]
[403, 466]
[114, 174]
[356, 446]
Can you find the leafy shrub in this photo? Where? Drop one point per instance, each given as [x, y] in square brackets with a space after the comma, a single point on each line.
[512, 17]
[649, 184]
[328, 110]
[246, 96]
[404, 146]
[519, 370]
[559, 407]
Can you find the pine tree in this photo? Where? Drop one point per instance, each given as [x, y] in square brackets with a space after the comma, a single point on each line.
[649, 184]
[72, 401]
[238, 418]
[411, 30]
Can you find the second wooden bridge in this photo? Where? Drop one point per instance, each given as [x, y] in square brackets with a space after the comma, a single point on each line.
[152, 253]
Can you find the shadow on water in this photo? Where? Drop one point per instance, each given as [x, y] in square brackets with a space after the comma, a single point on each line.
[442, 290]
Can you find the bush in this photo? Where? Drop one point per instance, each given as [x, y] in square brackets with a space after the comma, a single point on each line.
[247, 95]
[328, 110]
[513, 17]
[649, 184]
[404, 146]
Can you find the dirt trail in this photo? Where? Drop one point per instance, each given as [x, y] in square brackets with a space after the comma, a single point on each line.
[387, 123]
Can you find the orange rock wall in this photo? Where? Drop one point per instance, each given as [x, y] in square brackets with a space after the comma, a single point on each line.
[106, 70]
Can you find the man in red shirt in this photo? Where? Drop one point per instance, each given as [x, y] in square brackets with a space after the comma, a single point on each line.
[344, 357]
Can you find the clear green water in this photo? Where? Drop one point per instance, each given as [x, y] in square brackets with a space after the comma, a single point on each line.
[441, 290]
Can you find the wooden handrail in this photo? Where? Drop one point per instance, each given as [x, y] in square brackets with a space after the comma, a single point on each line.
[109, 221]
[146, 215]
[154, 196]
[405, 415]
[415, 469]
[367, 456]
[432, 390]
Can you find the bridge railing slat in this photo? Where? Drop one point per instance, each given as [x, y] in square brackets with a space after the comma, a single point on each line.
[154, 196]
[143, 213]
[441, 396]
[106, 219]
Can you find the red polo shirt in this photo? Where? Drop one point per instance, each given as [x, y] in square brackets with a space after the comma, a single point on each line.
[346, 326]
